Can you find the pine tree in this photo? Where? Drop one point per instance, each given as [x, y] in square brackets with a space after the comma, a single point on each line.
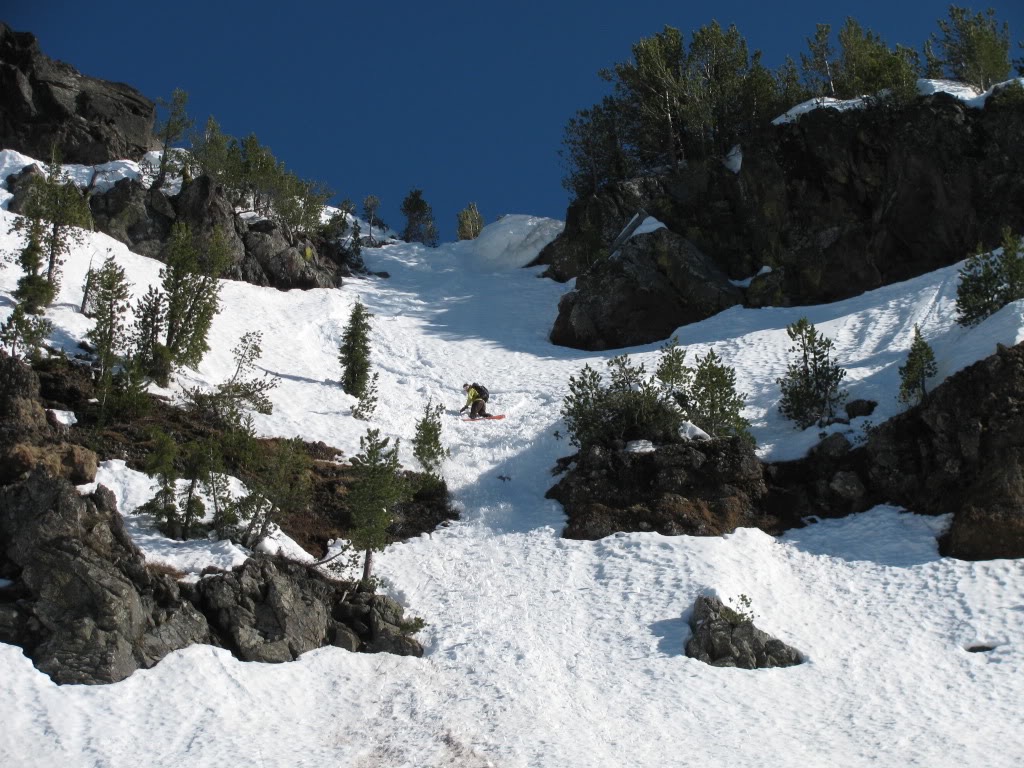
[22, 334]
[371, 204]
[868, 67]
[354, 352]
[192, 292]
[171, 130]
[53, 218]
[714, 403]
[810, 388]
[284, 483]
[380, 485]
[161, 464]
[109, 335]
[419, 227]
[594, 148]
[818, 66]
[226, 404]
[367, 404]
[675, 376]
[196, 467]
[426, 444]
[148, 351]
[975, 49]
[34, 292]
[989, 281]
[920, 366]
[470, 223]
[214, 154]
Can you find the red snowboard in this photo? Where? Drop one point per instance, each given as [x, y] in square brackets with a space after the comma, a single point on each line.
[487, 418]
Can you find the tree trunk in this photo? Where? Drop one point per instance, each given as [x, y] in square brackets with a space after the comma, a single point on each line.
[367, 564]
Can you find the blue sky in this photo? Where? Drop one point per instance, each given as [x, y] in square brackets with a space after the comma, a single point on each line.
[466, 101]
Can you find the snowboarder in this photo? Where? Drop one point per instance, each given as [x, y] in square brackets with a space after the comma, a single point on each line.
[476, 401]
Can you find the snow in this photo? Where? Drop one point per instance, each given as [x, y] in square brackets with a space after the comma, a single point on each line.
[745, 283]
[650, 224]
[734, 159]
[542, 651]
[968, 94]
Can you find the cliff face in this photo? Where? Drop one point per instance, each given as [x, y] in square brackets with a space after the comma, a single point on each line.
[836, 203]
[46, 103]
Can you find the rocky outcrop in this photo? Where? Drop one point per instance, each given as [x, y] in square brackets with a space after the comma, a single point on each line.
[961, 451]
[696, 488]
[723, 637]
[262, 251]
[274, 610]
[284, 261]
[652, 285]
[593, 224]
[140, 218]
[46, 103]
[831, 481]
[835, 203]
[87, 609]
[27, 439]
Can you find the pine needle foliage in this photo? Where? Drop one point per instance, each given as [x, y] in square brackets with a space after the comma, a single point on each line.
[354, 353]
[419, 218]
[379, 486]
[426, 444]
[22, 334]
[630, 406]
[810, 388]
[975, 49]
[192, 291]
[281, 487]
[109, 334]
[227, 404]
[34, 291]
[990, 280]
[471, 223]
[714, 404]
[367, 404]
[919, 367]
[54, 216]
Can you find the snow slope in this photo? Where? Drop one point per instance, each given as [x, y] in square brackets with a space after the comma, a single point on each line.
[543, 651]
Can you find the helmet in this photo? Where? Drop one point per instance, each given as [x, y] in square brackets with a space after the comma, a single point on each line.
[465, 387]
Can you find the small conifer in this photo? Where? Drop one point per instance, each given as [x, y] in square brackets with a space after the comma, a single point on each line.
[714, 403]
[471, 223]
[380, 485]
[989, 281]
[920, 366]
[810, 388]
[354, 352]
[426, 444]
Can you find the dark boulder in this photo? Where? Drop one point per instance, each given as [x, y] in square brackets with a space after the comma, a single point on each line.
[204, 207]
[87, 609]
[284, 261]
[722, 637]
[138, 217]
[698, 488]
[961, 451]
[653, 284]
[45, 103]
[274, 610]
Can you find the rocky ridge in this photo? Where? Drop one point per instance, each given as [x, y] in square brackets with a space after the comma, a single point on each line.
[834, 204]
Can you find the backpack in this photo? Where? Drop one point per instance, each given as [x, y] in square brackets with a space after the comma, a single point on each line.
[482, 391]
